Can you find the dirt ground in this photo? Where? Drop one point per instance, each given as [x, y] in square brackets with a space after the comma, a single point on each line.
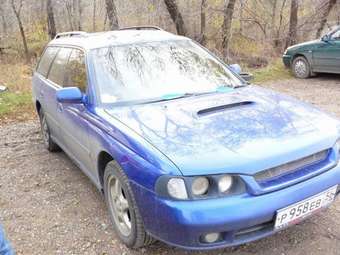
[47, 206]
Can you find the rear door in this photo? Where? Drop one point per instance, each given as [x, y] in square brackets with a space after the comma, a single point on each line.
[44, 91]
[326, 56]
[53, 82]
[74, 128]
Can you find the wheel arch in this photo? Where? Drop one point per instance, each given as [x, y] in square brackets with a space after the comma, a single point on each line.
[102, 160]
[37, 106]
[305, 55]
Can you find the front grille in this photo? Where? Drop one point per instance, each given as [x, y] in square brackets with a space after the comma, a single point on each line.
[290, 167]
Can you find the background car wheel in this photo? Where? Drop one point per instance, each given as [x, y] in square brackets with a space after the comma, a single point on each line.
[123, 210]
[301, 68]
[46, 135]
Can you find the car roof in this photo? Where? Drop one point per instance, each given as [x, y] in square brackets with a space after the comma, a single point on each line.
[90, 41]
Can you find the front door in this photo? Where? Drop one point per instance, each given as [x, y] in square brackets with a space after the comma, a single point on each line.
[326, 56]
[74, 127]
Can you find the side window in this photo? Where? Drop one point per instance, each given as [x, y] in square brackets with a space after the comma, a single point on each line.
[46, 60]
[57, 71]
[336, 35]
[76, 71]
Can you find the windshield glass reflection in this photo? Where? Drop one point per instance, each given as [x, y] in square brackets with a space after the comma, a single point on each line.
[156, 70]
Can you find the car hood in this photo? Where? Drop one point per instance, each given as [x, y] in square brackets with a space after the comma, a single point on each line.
[244, 131]
[304, 45]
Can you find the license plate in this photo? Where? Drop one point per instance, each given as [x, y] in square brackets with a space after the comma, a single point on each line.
[298, 211]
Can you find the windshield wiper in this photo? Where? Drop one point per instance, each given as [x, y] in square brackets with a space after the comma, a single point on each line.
[168, 97]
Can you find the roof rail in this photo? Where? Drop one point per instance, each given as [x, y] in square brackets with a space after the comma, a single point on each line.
[70, 34]
[141, 28]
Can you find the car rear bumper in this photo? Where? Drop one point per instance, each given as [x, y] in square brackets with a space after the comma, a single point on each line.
[240, 219]
[286, 59]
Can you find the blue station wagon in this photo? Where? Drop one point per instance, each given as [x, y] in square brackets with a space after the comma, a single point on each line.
[183, 149]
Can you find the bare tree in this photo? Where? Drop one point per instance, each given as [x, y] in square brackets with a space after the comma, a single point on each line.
[176, 16]
[293, 22]
[203, 38]
[94, 15]
[17, 12]
[226, 27]
[80, 14]
[3, 20]
[52, 31]
[111, 11]
[273, 17]
[324, 17]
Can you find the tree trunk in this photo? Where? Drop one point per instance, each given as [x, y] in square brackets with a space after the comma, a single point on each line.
[324, 17]
[203, 38]
[176, 16]
[94, 15]
[112, 14]
[69, 14]
[80, 14]
[50, 20]
[226, 27]
[21, 28]
[3, 21]
[293, 21]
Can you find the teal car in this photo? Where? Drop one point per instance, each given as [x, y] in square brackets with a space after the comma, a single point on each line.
[318, 56]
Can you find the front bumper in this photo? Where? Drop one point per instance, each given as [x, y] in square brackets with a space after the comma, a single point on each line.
[287, 60]
[240, 219]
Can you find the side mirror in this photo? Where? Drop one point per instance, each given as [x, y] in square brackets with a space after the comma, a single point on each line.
[325, 38]
[235, 68]
[71, 95]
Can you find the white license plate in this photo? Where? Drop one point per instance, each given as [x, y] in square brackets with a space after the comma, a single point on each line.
[300, 210]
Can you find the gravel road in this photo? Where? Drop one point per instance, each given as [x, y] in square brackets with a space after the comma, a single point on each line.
[47, 206]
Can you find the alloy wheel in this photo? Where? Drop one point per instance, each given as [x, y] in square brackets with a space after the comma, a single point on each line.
[119, 206]
[300, 68]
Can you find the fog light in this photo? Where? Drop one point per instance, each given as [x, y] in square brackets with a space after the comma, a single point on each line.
[211, 237]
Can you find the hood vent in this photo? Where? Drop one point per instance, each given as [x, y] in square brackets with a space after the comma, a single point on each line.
[220, 108]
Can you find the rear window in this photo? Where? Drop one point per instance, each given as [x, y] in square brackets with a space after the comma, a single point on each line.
[46, 60]
[57, 72]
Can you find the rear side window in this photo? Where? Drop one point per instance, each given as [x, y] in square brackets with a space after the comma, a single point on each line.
[75, 73]
[57, 71]
[46, 60]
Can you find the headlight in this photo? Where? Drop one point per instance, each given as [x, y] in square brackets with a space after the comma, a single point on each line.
[200, 186]
[176, 188]
[225, 183]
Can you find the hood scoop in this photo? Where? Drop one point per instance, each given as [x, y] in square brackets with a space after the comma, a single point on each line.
[220, 108]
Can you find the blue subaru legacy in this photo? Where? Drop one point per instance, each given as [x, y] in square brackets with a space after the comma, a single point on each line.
[183, 149]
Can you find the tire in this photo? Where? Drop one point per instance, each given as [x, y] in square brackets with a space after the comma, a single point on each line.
[50, 145]
[135, 237]
[301, 68]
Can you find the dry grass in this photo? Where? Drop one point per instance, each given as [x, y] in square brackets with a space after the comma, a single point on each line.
[15, 103]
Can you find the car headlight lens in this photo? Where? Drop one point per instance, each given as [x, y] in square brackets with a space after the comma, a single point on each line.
[176, 188]
[200, 186]
[225, 183]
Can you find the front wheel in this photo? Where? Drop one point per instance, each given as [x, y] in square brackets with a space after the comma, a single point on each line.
[123, 209]
[301, 68]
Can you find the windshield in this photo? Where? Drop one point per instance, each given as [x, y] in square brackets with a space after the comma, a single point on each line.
[156, 70]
